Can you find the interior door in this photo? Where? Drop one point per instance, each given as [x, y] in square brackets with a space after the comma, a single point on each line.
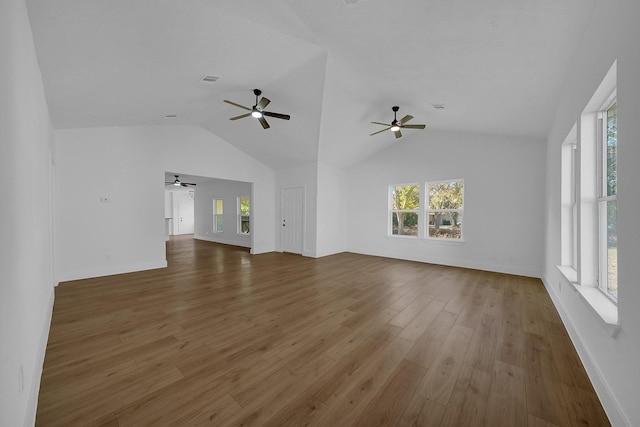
[185, 212]
[292, 219]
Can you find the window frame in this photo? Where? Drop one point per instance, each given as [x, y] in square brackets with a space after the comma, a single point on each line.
[589, 168]
[391, 211]
[429, 211]
[241, 216]
[216, 215]
[569, 201]
[603, 198]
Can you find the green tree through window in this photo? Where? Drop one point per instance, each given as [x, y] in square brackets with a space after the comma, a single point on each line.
[405, 203]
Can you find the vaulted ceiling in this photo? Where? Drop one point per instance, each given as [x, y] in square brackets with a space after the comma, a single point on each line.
[333, 65]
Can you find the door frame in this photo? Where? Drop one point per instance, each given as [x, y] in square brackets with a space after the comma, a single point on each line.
[303, 222]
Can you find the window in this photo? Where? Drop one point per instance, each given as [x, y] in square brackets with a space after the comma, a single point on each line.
[607, 200]
[445, 209]
[244, 215]
[569, 191]
[589, 181]
[405, 205]
[217, 215]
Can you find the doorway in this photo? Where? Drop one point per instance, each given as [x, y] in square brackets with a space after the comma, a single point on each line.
[183, 203]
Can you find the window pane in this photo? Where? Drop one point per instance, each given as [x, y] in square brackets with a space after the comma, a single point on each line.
[244, 206]
[405, 197]
[612, 150]
[612, 248]
[445, 195]
[404, 224]
[219, 206]
[445, 225]
[219, 222]
[244, 224]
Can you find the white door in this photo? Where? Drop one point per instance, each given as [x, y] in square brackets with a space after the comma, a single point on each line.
[185, 212]
[292, 219]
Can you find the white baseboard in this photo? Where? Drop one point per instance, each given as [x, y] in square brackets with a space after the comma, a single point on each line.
[34, 391]
[601, 386]
[223, 241]
[313, 254]
[111, 270]
[497, 268]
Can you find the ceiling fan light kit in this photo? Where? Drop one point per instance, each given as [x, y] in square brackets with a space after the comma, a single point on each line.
[257, 111]
[396, 124]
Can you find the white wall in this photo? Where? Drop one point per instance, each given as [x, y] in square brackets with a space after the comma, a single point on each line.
[612, 363]
[299, 176]
[127, 232]
[228, 191]
[332, 210]
[26, 284]
[127, 165]
[503, 200]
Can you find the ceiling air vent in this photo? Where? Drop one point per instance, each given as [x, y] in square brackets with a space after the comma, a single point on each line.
[439, 106]
[209, 79]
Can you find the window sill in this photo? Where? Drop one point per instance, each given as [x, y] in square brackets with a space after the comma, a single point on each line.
[445, 241]
[602, 305]
[606, 309]
[569, 273]
[428, 239]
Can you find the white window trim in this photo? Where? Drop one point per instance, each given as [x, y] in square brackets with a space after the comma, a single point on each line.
[240, 216]
[392, 211]
[569, 203]
[603, 199]
[215, 215]
[423, 215]
[428, 211]
[585, 279]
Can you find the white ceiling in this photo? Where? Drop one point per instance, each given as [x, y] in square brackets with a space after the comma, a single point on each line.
[333, 66]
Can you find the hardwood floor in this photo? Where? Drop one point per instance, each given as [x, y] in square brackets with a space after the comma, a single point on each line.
[225, 338]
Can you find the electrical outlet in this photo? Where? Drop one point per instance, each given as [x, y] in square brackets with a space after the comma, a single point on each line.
[105, 199]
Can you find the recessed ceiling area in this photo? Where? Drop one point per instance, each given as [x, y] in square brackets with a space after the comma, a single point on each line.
[335, 66]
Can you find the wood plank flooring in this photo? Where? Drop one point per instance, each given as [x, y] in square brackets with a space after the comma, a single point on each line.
[225, 338]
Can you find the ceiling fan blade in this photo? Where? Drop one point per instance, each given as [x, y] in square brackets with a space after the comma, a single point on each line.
[276, 115]
[405, 119]
[263, 103]
[413, 126]
[383, 124]
[240, 116]
[237, 105]
[380, 131]
[398, 134]
[264, 123]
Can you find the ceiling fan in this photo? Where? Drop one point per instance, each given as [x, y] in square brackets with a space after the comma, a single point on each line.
[396, 124]
[257, 111]
[179, 183]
